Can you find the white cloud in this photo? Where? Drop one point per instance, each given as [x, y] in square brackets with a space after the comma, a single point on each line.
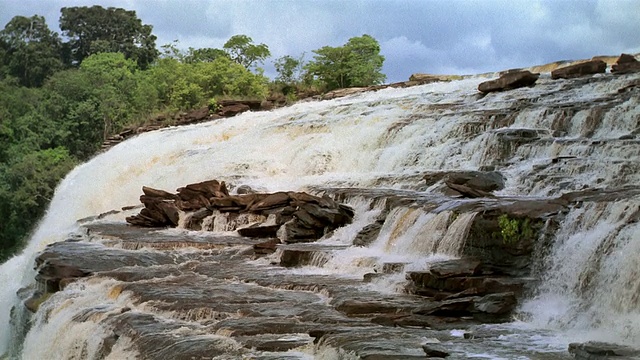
[403, 48]
[415, 35]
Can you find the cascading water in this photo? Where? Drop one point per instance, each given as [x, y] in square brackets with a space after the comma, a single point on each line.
[388, 139]
[590, 287]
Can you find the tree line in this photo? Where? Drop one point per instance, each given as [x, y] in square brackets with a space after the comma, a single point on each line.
[62, 95]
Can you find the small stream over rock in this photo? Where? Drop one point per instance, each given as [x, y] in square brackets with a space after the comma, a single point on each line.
[473, 226]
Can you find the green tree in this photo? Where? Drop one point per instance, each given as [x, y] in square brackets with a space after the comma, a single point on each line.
[74, 102]
[183, 86]
[289, 69]
[31, 52]
[115, 87]
[242, 50]
[95, 29]
[204, 55]
[357, 63]
[16, 103]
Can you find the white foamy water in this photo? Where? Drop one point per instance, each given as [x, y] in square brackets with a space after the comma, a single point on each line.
[387, 139]
[591, 282]
[70, 339]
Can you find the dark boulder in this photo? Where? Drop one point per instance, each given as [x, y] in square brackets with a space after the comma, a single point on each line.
[259, 231]
[457, 267]
[508, 81]
[234, 109]
[498, 303]
[468, 181]
[435, 351]
[275, 200]
[156, 213]
[626, 63]
[293, 231]
[151, 192]
[299, 217]
[368, 234]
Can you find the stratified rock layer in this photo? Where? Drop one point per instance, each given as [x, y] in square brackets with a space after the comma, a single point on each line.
[295, 216]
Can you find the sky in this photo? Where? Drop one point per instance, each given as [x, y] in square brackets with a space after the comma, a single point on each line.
[415, 36]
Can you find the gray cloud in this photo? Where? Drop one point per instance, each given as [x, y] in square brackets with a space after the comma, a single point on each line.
[438, 36]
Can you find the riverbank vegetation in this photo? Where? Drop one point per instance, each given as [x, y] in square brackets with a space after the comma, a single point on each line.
[62, 95]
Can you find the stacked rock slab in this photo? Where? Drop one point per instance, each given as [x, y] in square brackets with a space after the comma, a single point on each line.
[464, 287]
[292, 216]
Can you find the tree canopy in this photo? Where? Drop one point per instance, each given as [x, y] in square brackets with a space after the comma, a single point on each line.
[242, 50]
[289, 69]
[357, 63]
[95, 29]
[31, 52]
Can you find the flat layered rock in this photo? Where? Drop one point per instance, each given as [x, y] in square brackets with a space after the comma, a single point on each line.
[134, 238]
[380, 342]
[509, 81]
[597, 350]
[580, 69]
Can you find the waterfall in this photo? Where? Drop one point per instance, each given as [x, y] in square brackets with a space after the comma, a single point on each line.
[590, 282]
[388, 139]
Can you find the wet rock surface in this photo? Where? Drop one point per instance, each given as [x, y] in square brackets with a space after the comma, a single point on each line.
[230, 299]
[596, 350]
[219, 301]
[225, 298]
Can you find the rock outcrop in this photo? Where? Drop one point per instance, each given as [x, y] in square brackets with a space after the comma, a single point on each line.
[290, 216]
[508, 81]
[626, 63]
[473, 184]
[430, 78]
[581, 69]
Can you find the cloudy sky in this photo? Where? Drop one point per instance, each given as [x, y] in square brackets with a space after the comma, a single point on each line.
[429, 36]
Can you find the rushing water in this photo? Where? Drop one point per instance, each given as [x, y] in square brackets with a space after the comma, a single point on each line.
[387, 139]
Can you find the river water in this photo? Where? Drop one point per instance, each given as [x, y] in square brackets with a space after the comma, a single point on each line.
[387, 139]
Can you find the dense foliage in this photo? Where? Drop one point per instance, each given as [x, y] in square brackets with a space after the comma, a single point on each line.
[357, 63]
[32, 52]
[61, 97]
[93, 30]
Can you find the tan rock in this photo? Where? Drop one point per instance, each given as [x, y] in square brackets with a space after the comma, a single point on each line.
[580, 69]
[425, 78]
